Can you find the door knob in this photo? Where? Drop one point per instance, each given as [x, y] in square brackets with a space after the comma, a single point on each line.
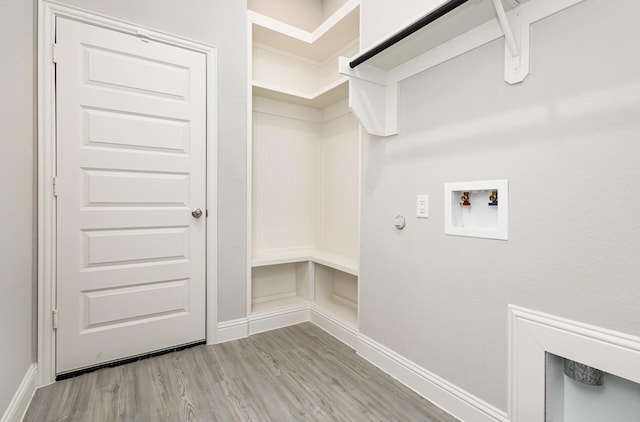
[197, 213]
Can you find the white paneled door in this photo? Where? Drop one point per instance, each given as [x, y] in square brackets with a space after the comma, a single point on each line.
[131, 164]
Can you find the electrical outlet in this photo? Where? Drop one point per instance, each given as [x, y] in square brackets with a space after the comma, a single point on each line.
[422, 204]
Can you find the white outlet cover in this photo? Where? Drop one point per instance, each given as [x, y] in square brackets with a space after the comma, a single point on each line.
[422, 206]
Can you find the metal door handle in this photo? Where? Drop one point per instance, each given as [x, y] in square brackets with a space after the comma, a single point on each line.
[197, 213]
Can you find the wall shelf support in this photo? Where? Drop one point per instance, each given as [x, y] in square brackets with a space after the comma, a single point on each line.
[506, 28]
[373, 98]
[516, 54]
[373, 90]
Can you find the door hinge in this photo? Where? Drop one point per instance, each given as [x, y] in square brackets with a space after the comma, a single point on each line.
[54, 53]
[55, 186]
[54, 319]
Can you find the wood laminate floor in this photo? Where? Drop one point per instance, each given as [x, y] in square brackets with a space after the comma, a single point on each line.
[298, 373]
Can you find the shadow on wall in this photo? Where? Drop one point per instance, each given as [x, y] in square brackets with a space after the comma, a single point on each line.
[534, 123]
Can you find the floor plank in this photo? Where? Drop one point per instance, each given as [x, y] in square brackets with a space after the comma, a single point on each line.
[297, 373]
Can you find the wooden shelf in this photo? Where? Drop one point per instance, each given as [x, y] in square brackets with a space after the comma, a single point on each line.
[339, 311]
[343, 263]
[336, 261]
[336, 293]
[266, 258]
[274, 305]
[326, 40]
[331, 94]
[455, 23]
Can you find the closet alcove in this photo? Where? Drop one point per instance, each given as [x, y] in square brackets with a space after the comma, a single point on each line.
[303, 171]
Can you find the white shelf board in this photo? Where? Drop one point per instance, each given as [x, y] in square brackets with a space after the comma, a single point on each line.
[342, 312]
[373, 96]
[335, 32]
[453, 24]
[267, 258]
[289, 302]
[331, 94]
[346, 264]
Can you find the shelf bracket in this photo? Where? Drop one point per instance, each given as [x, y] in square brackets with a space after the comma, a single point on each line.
[373, 92]
[516, 55]
[506, 28]
[373, 99]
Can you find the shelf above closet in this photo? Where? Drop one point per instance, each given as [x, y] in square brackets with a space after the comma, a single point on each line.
[326, 40]
[331, 94]
[461, 19]
[373, 87]
[300, 67]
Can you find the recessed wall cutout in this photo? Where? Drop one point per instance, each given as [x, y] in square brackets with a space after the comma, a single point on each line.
[577, 392]
[477, 209]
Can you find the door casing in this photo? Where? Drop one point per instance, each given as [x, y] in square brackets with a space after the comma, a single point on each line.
[47, 14]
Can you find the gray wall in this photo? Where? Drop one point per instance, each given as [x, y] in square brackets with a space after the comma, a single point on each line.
[221, 23]
[568, 141]
[216, 22]
[304, 14]
[17, 277]
[329, 7]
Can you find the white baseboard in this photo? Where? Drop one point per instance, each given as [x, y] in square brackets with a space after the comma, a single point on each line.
[343, 332]
[442, 393]
[268, 321]
[20, 402]
[232, 330]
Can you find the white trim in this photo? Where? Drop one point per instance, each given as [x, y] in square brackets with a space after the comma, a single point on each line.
[249, 167]
[346, 333]
[280, 318]
[46, 210]
[47, 14]
[506, 28]
[532, 334]
[341, 263]
[439, 391]
[21, 399]
[267, 321]
[300, 34]
[232, 330]
[212, 194]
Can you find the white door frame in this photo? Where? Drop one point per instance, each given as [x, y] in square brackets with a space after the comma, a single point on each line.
[47, 13]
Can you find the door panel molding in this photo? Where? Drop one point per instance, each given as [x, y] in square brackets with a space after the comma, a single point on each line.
[48, 12]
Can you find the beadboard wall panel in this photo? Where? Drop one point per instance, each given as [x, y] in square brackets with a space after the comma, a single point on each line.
[339, 180]
[285, 182]
[328, 72]
[286, 71]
